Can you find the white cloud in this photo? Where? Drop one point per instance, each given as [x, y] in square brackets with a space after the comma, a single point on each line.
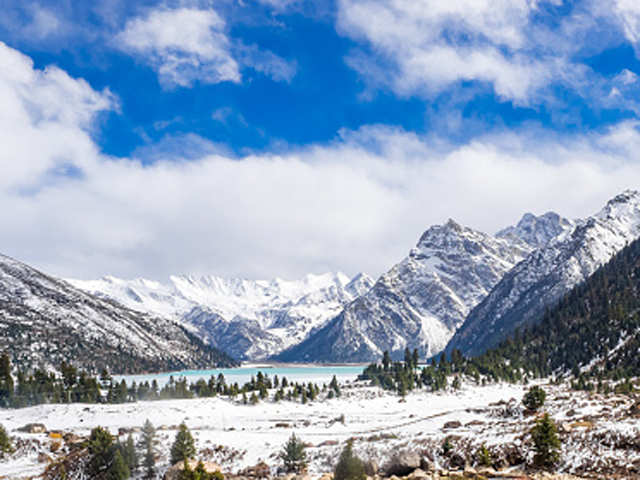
[44, 120]
[266, 62]
[184, 45]
[628, 11]
[424, 47]
[358, 203]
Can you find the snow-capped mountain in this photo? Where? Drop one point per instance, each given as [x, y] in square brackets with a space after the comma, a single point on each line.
[521, 297]
[537, 231]
[249, 319]
[422, 300]
[44, 321]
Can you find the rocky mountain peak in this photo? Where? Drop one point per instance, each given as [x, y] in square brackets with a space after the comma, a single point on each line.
[624, 205]
[537, 231]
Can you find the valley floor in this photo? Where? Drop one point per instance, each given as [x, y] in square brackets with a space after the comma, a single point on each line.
[601, 436]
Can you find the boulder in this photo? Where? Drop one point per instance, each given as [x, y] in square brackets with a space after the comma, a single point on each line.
[371, 468]
[261, 470]
[451, 425]
[418, 474]
[173, 473]
[427, 465]
[403, 463]
[33, 428]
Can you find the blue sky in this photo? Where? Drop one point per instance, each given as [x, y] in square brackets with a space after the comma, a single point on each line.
[359, 122]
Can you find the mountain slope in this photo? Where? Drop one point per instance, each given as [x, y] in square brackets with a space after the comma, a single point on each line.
[594, 329]
[538, 282]
[249, 319]
[44, 321]
[421, 301]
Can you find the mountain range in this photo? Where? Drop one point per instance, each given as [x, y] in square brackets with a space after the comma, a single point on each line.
[538, 282]
[249, 319]
[45, 321]
[458, 288]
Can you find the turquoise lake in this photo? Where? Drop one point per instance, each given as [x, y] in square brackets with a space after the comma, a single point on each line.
[297, 373]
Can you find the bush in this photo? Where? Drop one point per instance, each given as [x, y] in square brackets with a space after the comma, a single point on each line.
[349, 466]
[546, 442]
[293, 455]
[534, 398]
[5, 442]
[483, 457]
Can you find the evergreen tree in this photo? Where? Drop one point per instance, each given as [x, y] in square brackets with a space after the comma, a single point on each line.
[6, 380]
[129, 454]
[102, 450]
[483, 457]
[148, 444]
[386, 360]
[408, 359]
[118, 469]
[183, 447]
[546, 442]
[415, 358]
[293, 455]
[534, 398]
[349, 466]
[5, 442]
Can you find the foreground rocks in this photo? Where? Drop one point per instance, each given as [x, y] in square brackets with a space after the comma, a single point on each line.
[174, 473]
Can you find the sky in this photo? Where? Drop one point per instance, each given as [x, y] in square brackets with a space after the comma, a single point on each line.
[273, 138]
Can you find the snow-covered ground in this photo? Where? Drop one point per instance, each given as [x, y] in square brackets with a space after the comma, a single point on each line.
[237, 436]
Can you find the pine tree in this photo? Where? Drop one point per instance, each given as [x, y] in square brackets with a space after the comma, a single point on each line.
[408, 360]
[183, 447]
[349, 466]
[129, 454]
[546, 442]
[534, 398]
[293, 455]
[148, 443]
[386, 360]
[118, 469]
[5, 442]
[6, 380]
[416, 358]
[483, 457]
[101, 449]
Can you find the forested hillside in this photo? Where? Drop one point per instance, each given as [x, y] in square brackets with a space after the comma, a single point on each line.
[595, 329]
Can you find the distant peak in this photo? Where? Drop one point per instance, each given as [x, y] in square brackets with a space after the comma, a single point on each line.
[537, 231]
[452, 224]
[626, 196]
[624, 203]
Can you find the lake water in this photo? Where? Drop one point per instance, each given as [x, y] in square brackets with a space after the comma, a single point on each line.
[297, 373]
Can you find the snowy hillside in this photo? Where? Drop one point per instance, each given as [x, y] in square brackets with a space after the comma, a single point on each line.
[548, 273]
[249, 319]
[422, 300]
[44, 321]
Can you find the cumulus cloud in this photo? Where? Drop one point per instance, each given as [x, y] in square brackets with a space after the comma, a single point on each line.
[189, 44]
[357, 203]
[184, 45]
[515, 47]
